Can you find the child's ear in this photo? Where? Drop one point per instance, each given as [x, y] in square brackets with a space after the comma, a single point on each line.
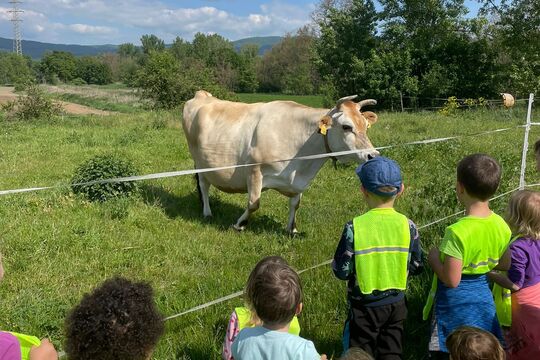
[299, 308]
[459, 187]
[364, 191]
[401, 190]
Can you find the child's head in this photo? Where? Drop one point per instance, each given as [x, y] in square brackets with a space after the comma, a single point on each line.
[537, 154]
[479, 175]
[257, 270]
[356, 354]
[470, 343]
[381, 178]
[118, 320]
[277, 295]
[523, 214]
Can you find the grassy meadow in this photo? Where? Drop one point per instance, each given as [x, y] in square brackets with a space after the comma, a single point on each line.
[58, 246]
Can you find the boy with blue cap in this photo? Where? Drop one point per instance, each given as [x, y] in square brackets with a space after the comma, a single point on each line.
[376, 253]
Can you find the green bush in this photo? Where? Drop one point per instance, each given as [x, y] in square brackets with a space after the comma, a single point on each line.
[33, 105]
[78, 81]
[100, 168]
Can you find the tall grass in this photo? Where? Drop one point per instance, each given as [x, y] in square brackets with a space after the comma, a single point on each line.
[58, 246]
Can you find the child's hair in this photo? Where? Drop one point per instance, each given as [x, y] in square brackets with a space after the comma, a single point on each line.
[537, 147]
[523, 213]
[257, 270]
[355, 353]
[470, 343]
[277, 293]
[118, 320]
[480, 174]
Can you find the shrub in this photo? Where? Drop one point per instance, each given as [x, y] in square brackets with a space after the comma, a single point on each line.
[450, 106]
[33, 105]
[100, 168]
[78, 81]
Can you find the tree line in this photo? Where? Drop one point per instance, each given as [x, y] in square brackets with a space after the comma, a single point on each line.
[412, 48]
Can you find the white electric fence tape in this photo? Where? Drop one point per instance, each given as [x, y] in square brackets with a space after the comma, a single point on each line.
[199, 171]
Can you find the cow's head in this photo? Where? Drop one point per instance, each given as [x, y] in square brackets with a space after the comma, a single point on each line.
[346, 128]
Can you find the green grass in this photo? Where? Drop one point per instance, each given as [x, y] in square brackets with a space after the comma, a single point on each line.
[309, 100]
[58, 246]
[99, 103]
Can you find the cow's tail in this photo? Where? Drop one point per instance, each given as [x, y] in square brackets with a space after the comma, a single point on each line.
[197, 181]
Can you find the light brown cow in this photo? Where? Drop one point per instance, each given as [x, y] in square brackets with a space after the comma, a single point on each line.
[222, 133]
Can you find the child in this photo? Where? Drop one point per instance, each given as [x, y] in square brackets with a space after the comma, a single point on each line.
[118, 320]
[469, 250]
[276, 298]
[470, 343]
[243, 317]
[523, 277]
[15, 346]
[376, 253]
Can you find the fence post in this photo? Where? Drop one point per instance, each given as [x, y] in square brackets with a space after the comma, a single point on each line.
[526, 144]
[401, 98]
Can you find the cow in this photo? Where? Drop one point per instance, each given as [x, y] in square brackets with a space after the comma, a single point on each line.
[221, 133]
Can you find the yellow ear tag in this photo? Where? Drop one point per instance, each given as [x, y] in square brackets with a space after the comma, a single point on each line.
[323, 129]
[368, 125]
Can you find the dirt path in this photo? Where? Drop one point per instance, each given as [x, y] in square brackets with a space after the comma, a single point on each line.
[7, 94]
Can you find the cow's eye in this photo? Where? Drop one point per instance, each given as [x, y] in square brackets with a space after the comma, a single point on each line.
[347, 128]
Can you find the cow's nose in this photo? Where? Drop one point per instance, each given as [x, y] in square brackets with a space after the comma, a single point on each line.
[373, 155]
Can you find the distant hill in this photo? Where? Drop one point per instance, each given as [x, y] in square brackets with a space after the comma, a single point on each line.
[36, 49]
[265, 43]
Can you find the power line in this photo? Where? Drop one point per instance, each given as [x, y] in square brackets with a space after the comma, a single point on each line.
[16, 20]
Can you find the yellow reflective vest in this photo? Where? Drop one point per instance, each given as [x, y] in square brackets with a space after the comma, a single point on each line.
[244, 321]
[382, 240]
[26, 342]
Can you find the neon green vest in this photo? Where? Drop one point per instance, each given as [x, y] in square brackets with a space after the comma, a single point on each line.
[381, 250]
[503, 300]
[244, 321]
[26, 342]
[490, 236]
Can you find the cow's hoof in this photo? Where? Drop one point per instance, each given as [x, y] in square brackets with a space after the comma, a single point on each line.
[238, 227]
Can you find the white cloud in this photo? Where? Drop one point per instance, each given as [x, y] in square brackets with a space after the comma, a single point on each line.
[96, 21]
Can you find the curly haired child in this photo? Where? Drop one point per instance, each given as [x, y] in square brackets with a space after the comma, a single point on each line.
[117, 321]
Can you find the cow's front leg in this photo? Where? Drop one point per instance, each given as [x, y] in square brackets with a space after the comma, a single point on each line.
[204, 191]
[294, 203]
[254, 198]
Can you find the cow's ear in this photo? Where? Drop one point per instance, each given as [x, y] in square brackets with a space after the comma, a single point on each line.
[324, 124]
[371, 117]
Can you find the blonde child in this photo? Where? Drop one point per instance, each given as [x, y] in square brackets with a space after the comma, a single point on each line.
[471, 247]
[470, 343]
[245, 316]
[523, 277]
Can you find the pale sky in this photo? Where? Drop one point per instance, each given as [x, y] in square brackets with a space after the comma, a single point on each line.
[93, 22]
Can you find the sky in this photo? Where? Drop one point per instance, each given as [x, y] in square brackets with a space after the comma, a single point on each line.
[93, 22]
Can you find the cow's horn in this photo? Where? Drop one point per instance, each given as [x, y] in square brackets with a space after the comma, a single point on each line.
[366, 102]
[346, 98]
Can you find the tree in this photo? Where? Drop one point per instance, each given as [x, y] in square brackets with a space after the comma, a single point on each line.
[152, 43]
[247, 80]
[59, 64]
[167, 83]
[288, 66]
[93, 71]
[128, 50]
[15, 69]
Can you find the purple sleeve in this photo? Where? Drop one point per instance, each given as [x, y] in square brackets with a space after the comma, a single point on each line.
[9, 347]
[516, 273]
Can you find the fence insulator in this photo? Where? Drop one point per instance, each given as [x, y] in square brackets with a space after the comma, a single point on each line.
[508, 100]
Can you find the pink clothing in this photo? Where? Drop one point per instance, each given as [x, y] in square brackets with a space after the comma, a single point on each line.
[524, 335]
[232, 332]
[9, 347]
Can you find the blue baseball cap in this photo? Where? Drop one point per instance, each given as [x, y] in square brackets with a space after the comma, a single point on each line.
[378, 172]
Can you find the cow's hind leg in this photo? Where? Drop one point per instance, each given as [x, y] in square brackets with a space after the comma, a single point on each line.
[254, 198]
[294, 203]
[203, 186]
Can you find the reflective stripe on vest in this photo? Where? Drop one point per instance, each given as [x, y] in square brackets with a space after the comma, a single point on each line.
[382, 240]
[244, 321]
